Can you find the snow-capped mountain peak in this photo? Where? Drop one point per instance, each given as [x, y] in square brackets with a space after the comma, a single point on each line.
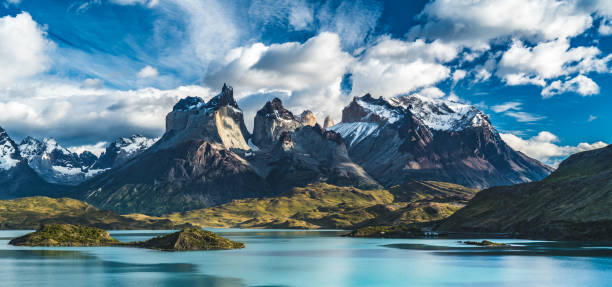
[9, 157]
[135, 143]
[442, 115]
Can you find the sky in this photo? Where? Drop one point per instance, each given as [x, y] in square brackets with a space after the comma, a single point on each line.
[87, 72]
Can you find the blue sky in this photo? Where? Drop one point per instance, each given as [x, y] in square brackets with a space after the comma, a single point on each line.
[87, 72]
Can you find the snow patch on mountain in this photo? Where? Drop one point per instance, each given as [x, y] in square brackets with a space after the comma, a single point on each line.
[135, 143]
[7, 155]
[355, 132]
[390, 115]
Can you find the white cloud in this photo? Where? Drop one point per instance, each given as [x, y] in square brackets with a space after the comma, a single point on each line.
[458, 75]
[544, 147]
[353, 20]
[77, 114]
[476, 23]
[97, 148]
[431, 92]
[513, 109]
[524, 117]
[23, 48]
[592, 118]
[393, 67]
[309, 73]
[506, 106]
[148, 72]
[605, 28]
[580, 84]
[549, 60]
[148, 3]
[92, 83]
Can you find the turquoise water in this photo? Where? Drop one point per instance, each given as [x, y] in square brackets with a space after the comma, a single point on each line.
[308, 258]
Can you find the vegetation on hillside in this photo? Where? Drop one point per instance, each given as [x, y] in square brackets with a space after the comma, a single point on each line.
[33, 212]
[573, 203]
[322, 205]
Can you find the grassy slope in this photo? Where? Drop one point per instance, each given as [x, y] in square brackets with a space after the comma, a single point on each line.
[326, 206]
[572, 203]
[33, 212]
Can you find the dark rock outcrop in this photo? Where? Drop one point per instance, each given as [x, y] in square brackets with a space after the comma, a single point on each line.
[271, 122]
[329, 121]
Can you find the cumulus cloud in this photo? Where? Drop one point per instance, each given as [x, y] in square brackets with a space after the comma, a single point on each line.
[521, 65]
[580, 84]
[309, 73]
[393, 67]
[24, 49]
[148, 72]
[591, 118]
[544, 147]
[76, 114]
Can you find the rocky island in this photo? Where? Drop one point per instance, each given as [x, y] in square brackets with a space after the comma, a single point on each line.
[66, 235]
[77, 235]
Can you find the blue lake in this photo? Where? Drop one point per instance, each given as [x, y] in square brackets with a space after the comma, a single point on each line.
[308, 258]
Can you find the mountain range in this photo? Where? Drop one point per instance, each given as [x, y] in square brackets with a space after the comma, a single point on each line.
[207, 157]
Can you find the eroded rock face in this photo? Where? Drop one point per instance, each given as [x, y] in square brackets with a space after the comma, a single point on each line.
[329, 122]
[423, 139]
[217, 121]
[307, 118]
[271, 122]
[307, 155]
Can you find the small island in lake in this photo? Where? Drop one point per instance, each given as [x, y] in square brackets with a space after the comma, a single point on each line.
[77, 235]
[485, 243]
[190, 239]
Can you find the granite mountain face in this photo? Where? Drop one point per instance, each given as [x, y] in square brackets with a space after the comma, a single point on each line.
[418, 138]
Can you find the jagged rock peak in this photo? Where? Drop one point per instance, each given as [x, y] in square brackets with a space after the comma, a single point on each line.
[225, 98]
[188, 103]
[329, 122]
[274, 110]
[307, 118]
